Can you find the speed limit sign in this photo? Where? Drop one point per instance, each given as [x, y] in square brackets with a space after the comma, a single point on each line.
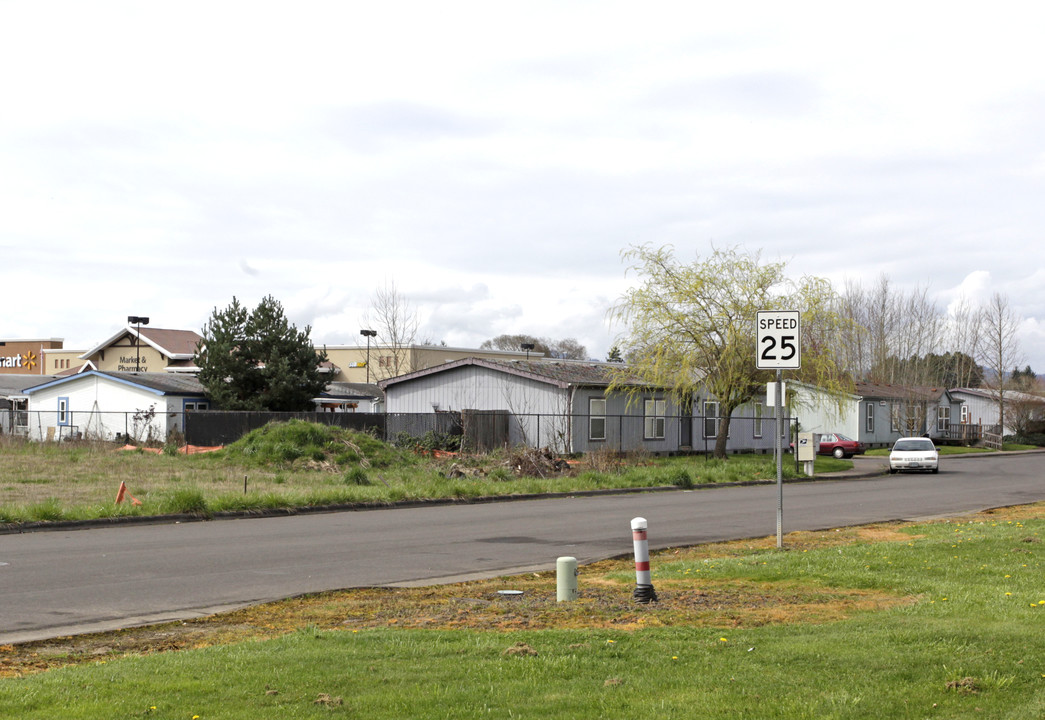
[778, 342]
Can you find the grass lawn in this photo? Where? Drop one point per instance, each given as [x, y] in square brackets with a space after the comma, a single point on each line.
[960, 450]
[930, 620]
[302, 465]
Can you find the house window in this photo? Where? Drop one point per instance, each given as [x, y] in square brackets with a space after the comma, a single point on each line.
[596, 418]
[711, 419]
[655, 410]
[63, 411]
[943, 419]
[869, 422]
[894, 417]
[198, 405]
[758, 420]
[964, 413]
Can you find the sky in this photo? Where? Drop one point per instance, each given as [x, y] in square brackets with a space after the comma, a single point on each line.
[493, 160]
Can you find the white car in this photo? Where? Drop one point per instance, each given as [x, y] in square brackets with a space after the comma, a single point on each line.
[914, 453]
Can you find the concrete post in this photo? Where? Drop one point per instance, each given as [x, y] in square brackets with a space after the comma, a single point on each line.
[566, 579]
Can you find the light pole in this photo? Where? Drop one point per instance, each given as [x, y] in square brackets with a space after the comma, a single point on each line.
[527, 347]
[138, 320]
[369, 334]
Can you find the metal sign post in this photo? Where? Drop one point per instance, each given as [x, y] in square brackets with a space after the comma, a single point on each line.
[778, 346]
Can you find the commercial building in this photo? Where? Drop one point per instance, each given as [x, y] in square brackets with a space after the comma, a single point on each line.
[25, 357]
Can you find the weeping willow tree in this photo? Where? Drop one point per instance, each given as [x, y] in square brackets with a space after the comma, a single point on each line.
[690, 328]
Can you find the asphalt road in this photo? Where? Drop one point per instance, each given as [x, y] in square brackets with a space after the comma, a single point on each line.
[64, 582]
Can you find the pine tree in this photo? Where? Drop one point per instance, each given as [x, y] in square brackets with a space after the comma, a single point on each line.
[257, 360]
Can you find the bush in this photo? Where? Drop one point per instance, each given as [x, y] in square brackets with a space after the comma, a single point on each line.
[428, 442]
[1028, 439]
[357, 476]
[680, 477]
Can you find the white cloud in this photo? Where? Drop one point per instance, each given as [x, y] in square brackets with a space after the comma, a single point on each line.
[494, 160]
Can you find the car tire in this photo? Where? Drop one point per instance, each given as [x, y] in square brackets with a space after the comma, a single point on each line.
[936, 470]
[892, 471]
[839, 453]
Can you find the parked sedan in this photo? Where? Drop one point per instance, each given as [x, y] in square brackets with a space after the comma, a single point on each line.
[914, 453]
[840, 446]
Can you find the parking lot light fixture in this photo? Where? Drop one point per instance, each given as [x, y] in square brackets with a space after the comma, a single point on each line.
[138, 320]
[368, 334]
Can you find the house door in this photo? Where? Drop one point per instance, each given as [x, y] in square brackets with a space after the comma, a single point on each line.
[686, 424]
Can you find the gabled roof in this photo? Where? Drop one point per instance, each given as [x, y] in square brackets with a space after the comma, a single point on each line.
[159, 383]
[561, 373]
[175, 344]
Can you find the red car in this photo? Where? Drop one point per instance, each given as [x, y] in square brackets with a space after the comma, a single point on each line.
[839, 445]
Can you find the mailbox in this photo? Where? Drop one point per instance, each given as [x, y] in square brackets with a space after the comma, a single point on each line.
[806, 447]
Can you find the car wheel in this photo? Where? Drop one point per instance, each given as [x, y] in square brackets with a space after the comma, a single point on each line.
[839, 453]
[936, 470]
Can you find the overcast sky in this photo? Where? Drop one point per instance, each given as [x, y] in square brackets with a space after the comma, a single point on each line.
[493, 159]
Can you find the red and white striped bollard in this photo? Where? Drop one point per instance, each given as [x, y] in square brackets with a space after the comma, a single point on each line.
[644, 592]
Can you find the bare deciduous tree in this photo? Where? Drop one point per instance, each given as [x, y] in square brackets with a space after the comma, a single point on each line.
[964, 331]
[890, 333]
[396, 322]
[999, 347]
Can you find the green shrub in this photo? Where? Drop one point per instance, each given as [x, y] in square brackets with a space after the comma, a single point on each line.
[680, 477]
[356, 476]
[428, 442]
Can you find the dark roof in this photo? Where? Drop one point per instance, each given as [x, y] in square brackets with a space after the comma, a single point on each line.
[899, 392]
[349, 391]
[562, 373]
[15, 384]
[160, 382]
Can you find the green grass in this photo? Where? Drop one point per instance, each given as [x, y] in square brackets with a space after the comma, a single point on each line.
[299, 464]
[965, 644]
[954, 450]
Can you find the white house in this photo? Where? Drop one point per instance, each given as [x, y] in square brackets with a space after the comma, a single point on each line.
[876, 414]
[14, 403]
[111, 405]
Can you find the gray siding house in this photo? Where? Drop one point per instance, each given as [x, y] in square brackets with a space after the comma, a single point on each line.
[567, 406]
[877, 414]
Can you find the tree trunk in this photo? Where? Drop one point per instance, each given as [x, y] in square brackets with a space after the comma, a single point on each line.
[723, 434]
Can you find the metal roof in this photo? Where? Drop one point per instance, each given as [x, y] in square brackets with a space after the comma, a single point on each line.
[562, 373]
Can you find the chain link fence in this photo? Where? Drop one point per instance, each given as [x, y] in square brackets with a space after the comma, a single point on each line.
[472, 430]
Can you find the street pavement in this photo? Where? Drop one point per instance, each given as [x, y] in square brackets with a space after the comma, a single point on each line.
[73, 581]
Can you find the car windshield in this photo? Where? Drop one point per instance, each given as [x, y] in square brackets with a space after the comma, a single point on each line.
[916, 445]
